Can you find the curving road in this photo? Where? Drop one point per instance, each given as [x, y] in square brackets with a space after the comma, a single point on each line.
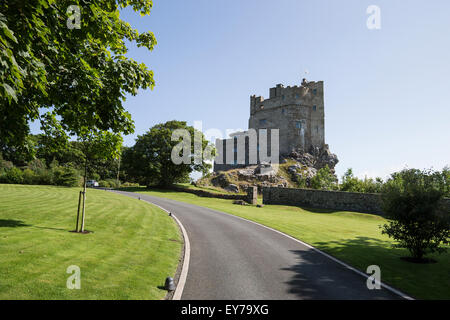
[232, 258]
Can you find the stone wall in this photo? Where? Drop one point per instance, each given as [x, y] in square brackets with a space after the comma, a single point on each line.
[333, 200]
[251, 196]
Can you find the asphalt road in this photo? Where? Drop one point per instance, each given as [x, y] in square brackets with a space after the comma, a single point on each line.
[235, 259]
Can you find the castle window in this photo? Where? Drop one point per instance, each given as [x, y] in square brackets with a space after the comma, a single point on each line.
[315, 91]
[298, 124]
[317, 129]
[283, 111]
[315, 108]
[282, 97]
[296, 96]
[262, 122]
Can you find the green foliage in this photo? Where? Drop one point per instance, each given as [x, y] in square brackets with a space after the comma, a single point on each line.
[109, 183]
[36, 174]
[29, 176]
[149, 161]
[324, 180]
[446, 181]
[411, 199]
[5, 164]
[66, 176]
[351, 183]
[13, 175]
[79, 76]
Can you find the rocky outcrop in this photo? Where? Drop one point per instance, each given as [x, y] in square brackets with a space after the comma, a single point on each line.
[316, 157]
[308, 163]
[302, 167]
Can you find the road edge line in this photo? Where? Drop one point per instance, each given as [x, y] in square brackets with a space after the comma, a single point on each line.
[389, 288]
[187, 255]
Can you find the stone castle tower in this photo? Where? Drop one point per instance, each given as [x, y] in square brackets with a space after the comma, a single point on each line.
[297, 112]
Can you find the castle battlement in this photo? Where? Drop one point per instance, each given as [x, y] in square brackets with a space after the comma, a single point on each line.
[308, 94]
[297, 111]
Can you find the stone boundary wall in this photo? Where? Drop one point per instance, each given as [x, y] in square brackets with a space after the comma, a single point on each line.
[333, 200]
[207, 194]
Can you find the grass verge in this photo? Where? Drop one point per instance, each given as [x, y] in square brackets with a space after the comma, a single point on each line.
[133, 248]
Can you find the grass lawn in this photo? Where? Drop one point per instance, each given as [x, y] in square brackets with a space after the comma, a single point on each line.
[352, 237]
[134, 247]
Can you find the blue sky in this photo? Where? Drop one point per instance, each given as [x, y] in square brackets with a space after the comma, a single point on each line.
[387, 91]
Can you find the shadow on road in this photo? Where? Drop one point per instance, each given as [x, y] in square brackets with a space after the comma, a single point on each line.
[315, 276]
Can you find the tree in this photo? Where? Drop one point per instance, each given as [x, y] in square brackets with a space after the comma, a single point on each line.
[411, 199]
[351, 183]
[78, 74]
[96, 146]
[150, 162]
[324, 179]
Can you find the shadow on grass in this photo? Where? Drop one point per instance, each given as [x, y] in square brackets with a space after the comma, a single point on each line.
[11, 223]
[50, 228]
[318, 277]
[364, 250]
[315, 210]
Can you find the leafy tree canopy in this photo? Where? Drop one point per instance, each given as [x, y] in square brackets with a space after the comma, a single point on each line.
[77, 77]
[149, 161]
[324, 179]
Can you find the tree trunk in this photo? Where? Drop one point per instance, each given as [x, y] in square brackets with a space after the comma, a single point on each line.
[84, 197]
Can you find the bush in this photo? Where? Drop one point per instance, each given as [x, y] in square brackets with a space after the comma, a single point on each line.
[37, 165]
[324, 180]
[29, 177]
[64, 176]
[13, 176]
[44, 177]
[113, 183]
[129, 184]
[6, 164]
[350, 183]
[104, 184]
[411, 199]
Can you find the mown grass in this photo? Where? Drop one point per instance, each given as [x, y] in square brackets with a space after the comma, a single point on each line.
[133, 248]
[352, 237]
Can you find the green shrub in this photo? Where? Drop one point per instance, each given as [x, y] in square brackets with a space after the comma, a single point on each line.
[2, 175]
[37, 165]
[129, 184]
[13, 176]
[6, 164]
[104, 184]
[324, 180]
[64, 176]
[29, 176]
[44, 177]
[350, 183]
[113, 183]
[411, 199]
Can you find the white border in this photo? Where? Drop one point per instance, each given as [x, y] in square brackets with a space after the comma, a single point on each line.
[187, 254]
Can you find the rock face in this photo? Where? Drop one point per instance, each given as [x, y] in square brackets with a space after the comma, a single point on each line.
[232, 188]
[316, 157]
[308, 163]
[303, 166]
